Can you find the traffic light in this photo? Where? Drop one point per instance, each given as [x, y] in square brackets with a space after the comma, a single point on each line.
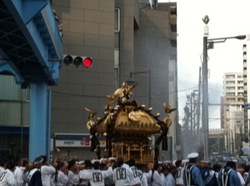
[78, 60]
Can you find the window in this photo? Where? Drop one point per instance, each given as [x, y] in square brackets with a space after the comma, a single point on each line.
[117, 19]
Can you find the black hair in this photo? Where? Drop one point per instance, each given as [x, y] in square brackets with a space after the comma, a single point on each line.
[11, 165]
[192, 160]
[88, 163]
[103, 166]
[178, 163]
[131, 162]
[120, 162]
[231, 164]
[71, 163]
[3, 161]
[247, 168]
[216, 167]
[25, 163]
[59, 165]
[96, 165]
[156, 166]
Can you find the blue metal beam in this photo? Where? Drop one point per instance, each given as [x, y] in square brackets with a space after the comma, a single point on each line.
[38, 140]
[36, 21]
[34, 57]
[6, 69]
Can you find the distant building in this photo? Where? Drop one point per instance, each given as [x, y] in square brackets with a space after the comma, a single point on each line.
[232, 118]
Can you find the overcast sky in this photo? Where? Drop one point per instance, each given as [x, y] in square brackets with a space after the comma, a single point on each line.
[227, 18]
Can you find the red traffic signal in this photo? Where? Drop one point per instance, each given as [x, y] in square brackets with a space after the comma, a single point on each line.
[78, 60]
[87, 62]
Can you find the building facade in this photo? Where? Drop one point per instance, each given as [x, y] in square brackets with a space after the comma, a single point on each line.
[14, 120]
[128, 40]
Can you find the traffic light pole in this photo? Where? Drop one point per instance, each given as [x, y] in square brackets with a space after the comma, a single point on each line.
[149, 82]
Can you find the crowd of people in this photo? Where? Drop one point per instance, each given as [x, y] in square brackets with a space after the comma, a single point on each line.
[115, 172]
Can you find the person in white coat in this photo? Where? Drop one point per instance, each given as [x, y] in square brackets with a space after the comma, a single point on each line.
[47, 172]
[6, 175]
[122, 175]
[156, 179]
[147, 172]
[88, 168]
[97, 176]
[143, 178]
[179, 173]
[169, 179]
[73, 173]
[242, 181]
[136, 173]
[18, 173]
[61, 176]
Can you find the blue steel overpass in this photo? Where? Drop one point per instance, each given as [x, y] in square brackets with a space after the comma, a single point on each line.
[31, 51]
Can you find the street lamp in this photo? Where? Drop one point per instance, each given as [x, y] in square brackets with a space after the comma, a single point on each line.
[149, 92]
[208, 44]
[149, 82]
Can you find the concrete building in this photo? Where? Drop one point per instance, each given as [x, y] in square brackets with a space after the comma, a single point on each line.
[232, 112]
[124, 38]
[128, 40]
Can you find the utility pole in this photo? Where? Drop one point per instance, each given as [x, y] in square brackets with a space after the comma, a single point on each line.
[205, 88]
